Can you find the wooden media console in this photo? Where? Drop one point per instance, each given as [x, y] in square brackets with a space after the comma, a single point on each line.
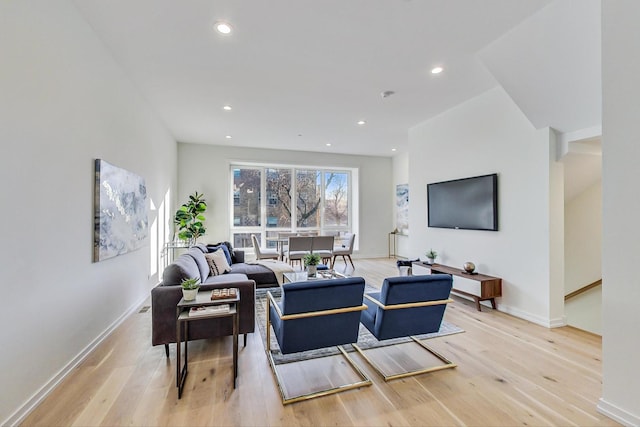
[488, 289]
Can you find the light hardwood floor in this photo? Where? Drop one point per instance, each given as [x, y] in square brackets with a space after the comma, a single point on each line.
[510, 372]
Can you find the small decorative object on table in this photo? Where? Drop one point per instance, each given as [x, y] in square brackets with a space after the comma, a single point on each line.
[190, 288]
[223, 293]
[431, 256]
[469, 267]
[311, 262]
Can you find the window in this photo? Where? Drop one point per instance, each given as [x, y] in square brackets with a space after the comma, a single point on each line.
[316, 200]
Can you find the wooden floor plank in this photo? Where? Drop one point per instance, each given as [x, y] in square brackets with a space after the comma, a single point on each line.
[510, 372]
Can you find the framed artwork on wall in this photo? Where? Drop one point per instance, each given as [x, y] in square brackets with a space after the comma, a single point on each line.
[402, 208]
[121, 211]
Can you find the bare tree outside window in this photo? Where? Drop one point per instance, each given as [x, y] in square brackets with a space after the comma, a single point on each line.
[336, 204]
[308, 198]
[278, 198]
[246, 197]
[288, 199]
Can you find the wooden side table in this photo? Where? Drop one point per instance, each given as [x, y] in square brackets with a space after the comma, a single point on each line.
[490, 287]
[203, 299]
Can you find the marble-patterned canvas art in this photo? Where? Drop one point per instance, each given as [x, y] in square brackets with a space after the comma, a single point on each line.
[402, 208]
[121, 211]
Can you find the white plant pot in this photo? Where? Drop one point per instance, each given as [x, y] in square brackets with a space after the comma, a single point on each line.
[312, 270]
[189, 294]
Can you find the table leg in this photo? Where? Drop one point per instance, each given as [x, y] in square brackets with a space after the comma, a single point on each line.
[235, 346]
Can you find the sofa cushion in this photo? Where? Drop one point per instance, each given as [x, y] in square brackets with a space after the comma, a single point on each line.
[217, 262]
[225, 250]
[262, 275]
[225, 278]
[183, 267]
[228, 252]
[202, 247]
[201, 261]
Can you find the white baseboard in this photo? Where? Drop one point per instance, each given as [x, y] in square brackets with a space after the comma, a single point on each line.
[617, 414]
[21, 413]
[533, 318]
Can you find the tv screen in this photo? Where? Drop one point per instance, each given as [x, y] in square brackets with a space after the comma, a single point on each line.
[469, 203]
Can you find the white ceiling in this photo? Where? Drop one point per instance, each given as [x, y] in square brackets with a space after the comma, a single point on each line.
[300, 73]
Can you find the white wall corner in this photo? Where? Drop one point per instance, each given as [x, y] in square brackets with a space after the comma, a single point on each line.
[618, 414]
[568, 141]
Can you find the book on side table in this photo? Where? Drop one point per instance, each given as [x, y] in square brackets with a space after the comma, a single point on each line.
[205, 311]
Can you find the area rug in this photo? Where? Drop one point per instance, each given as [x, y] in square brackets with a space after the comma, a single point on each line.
[365, 339]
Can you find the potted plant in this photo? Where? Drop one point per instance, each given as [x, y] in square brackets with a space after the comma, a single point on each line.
[431, 256]
[311, 262]
[189, 218]
[190, 288]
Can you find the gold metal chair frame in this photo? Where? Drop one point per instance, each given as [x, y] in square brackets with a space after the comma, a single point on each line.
[388, 377]
[365, 381]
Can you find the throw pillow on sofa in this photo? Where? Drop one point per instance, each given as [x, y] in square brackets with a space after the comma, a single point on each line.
[217, 261]
[224, 248]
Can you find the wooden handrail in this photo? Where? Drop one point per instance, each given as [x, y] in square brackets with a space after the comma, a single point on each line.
[583, 289]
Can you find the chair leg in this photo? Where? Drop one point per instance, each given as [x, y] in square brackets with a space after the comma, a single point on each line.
[351, 261]
[166, 349]
[388, 377]
[245, 340]
[364, 381]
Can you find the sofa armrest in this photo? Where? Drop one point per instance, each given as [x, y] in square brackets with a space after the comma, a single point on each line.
[238, 255]
[164, 300]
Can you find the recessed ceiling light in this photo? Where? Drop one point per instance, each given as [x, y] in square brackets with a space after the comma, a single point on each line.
[393, 149]
[227, 107]
[223, 27]
[328, 144]
[228, 137]
[361, 122]
[436, 70]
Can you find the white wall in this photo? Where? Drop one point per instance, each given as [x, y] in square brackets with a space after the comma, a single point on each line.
[583, 253]
[583, 238]
[400, 164]
[63, 103]
[621, 210]
[205, 168]
[488, 134]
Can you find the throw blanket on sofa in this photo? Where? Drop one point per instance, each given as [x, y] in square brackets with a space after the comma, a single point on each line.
[278, 268]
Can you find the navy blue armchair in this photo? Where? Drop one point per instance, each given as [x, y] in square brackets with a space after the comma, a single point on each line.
[316, 314]
[407, 306]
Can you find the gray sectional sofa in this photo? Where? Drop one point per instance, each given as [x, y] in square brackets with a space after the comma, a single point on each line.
[192, 264]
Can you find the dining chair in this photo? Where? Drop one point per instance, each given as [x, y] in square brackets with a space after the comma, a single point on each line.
[298, 247]
[323, 246]
[263, 253]
[344, 251]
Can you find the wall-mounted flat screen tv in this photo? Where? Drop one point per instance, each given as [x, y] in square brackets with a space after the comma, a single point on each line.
[468, 203]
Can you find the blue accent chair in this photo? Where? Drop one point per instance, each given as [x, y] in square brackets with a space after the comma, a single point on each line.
[404, 307]
[316, 314]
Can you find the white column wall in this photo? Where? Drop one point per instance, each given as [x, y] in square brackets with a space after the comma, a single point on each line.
[489, 134]
[205, 168]
[621, 210]
[63, 103]
[401, 176]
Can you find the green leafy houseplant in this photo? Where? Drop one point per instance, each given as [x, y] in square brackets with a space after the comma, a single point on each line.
[190, 284]
[189, 218]
[432, 255]
[311, 259]
[190, 288]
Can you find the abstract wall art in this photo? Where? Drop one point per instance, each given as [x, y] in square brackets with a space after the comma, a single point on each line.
[121, 211]
[402, 208]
